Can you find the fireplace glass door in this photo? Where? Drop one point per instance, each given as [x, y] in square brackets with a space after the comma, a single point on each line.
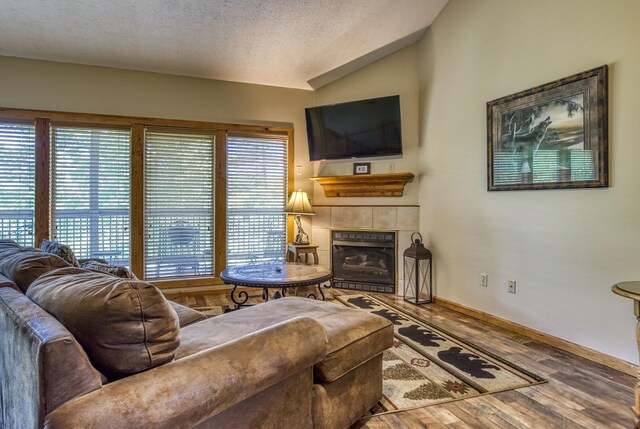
[364, 260]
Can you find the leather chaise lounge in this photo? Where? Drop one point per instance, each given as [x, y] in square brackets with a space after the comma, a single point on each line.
[82, 349]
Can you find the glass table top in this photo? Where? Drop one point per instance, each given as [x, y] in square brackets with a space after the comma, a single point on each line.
[275, 273]
[628, 289]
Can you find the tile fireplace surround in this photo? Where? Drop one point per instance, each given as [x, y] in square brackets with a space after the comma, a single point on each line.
[403, 219]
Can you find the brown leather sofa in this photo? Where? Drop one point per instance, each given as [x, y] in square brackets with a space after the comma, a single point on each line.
[292, 362]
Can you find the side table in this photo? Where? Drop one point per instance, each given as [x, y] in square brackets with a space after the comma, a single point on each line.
[632, 290]
[296, 250]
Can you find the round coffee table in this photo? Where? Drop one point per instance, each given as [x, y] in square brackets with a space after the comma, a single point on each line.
[280, 276]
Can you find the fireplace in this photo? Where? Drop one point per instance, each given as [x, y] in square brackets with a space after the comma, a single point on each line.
[364, 260]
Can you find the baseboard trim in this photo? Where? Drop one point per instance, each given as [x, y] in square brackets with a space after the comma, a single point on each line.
[582, 351]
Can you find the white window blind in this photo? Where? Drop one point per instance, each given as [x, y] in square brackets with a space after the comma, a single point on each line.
[179, 195]
[256, 196]
[90, 191]
[17, 182]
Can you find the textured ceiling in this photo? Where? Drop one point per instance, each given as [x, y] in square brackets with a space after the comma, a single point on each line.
[288, 43]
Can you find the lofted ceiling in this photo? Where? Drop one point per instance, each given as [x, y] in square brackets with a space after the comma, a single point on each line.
[288, 43]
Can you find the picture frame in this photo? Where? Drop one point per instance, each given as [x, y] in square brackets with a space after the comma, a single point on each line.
[553, 136]
[361, 168]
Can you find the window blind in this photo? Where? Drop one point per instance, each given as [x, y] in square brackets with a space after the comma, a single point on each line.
[17, 182]
[90, 191]
[256, 196]
[178, 204]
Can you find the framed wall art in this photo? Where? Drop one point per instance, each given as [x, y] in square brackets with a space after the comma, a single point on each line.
[553, 136]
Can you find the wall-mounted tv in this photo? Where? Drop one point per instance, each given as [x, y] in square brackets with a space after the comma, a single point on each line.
[356, 129]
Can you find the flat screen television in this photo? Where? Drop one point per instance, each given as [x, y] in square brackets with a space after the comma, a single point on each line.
[356, 129]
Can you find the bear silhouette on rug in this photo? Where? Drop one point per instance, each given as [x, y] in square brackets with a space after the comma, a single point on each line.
[421, 336]
[362, 302]
[468, 362]
[391, 316]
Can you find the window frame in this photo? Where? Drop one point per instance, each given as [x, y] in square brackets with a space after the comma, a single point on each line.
[43, 120]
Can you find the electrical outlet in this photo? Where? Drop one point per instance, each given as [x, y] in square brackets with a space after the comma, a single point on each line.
[391, 168]
[299, 170]
[511, 286]
[484, 279]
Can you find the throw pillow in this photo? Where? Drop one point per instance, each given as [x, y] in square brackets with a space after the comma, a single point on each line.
[23, 266]
[114, 270]
[61, 250]
[125, 326]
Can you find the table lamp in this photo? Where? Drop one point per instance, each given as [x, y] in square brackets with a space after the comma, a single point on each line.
[299, 205]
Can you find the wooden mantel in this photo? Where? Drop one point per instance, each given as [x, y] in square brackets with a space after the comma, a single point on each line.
[364, 185]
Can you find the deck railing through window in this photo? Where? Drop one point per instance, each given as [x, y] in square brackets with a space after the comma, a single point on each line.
[17, 182]
[179, 212]
[90, 191]
[178, 244]
[109, 240]
[256, 195]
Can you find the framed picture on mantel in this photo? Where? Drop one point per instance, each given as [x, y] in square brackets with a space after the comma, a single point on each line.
[361, 168]
[553, 136]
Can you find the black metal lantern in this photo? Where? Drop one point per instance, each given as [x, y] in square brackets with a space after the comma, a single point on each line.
[417, 272]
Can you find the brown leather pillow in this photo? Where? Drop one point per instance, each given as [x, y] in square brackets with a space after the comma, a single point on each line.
[24, 266]
[125, 326]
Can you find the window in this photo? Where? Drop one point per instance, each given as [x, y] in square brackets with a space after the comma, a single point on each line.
[17, 182]
[256, 196]
[90, 191]
[179, 196]
[160, 196]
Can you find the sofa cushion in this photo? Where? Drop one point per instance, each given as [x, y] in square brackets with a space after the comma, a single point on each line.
[186, 315]
[355, 336]
[23, 266]
[125, 326]
[61, 250]
[340, 403]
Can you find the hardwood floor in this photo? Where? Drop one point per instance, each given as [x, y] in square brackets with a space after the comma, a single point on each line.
[580, 393]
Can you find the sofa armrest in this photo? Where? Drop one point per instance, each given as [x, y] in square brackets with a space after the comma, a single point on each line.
[187, 391]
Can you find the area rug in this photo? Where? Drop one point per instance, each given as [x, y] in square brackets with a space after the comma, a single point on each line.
[427, 365]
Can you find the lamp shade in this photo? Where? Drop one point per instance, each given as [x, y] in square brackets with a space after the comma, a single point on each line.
[299, 204]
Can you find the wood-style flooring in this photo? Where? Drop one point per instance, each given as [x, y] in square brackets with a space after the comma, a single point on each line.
[580, 393]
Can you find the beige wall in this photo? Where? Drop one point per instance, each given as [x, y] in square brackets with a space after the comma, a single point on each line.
[395, 74]
[565, 248]
[45, 85]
